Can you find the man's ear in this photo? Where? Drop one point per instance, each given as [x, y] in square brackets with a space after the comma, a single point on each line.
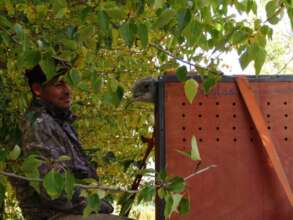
[36, 89]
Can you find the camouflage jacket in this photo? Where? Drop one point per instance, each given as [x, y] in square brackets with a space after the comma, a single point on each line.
[49, 132]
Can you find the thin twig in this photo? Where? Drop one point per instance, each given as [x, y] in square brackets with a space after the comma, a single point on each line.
[82, 186]
[106, 188]
[285, 66]
[199, 172]
[3, 173]
[98, 186]
[182, 60]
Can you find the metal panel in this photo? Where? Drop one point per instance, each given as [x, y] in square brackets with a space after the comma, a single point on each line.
[244, 185]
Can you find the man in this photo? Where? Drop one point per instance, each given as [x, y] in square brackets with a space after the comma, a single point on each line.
[47, 129]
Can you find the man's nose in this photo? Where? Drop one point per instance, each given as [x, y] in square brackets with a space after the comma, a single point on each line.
[66, 88]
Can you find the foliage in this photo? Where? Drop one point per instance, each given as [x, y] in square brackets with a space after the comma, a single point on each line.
[109, 45]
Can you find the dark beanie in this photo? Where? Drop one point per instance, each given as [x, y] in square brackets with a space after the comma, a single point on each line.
[35, 75]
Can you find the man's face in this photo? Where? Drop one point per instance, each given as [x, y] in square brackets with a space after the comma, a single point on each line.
[56, 92]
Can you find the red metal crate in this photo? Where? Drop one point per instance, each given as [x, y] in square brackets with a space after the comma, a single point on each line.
[244, 185]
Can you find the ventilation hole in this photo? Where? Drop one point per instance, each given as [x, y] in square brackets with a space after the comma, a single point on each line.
[285, 127]
[218, 128]
[183, 103]
[200, 140]
[183, 128]
[217, 116]
[268, 103]
[268, 115]
[286, 115]
[234, 128]
[200, 103]
[234, 103]
[235, 139]
[269, 127]
[285, 103]
[183, 115]
[285, 139]
[184, 139]
[218, 139]
[217, 103]
[234, 115]
[200, 128]
[251, 139]
[199, 115]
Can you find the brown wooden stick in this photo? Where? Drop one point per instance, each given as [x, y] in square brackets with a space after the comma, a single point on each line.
[265, 137]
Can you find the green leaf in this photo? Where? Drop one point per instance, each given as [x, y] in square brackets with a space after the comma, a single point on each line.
[30, 168]
[193, 31]
[161, 193]
[92, 206]
[184, 206]
[272, 8]
[69, 184]
[194, 149]
[103, 21]
[2, 194]
[125, 201]
[158, 4]
[49, 68]
[164, 19]
[184, 153]
[259, 58]
[113, 85]
[168, 205]
[209, 82]
[15, 153]
[29, 58]
[183, 17]
[142, 31]
[181, 73]
[74, 76]
[146, 194]
[101, 193]
[245, 59]
[85, 33]
[3, 154]
[5, 22]
[69, 44]
[54, 184]
[58, 5]
[190, 89]
[162, 175]
[127, 32]
[96, 82]
[119, 93]
[176, 184]
[31, 163]
[176, 201]
[64, 158]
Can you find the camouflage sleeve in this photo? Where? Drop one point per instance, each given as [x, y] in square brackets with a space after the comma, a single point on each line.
[39, 137]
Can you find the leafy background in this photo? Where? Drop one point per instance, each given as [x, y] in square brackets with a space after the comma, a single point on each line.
[111, 44]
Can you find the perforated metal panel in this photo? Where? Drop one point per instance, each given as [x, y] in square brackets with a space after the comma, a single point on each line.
[244, 185]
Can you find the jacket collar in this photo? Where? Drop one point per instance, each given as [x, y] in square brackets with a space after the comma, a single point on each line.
[57, 113]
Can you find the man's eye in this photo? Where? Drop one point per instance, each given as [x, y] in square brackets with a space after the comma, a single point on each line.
[58, 84]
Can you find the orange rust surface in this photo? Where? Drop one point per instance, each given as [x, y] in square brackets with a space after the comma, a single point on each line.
[244, 185]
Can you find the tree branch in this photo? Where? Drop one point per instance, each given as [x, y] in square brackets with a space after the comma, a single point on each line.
[102, 187]
[3, 173]
[199, 172]
[82, 186]
[285, 66]
[182, 60]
